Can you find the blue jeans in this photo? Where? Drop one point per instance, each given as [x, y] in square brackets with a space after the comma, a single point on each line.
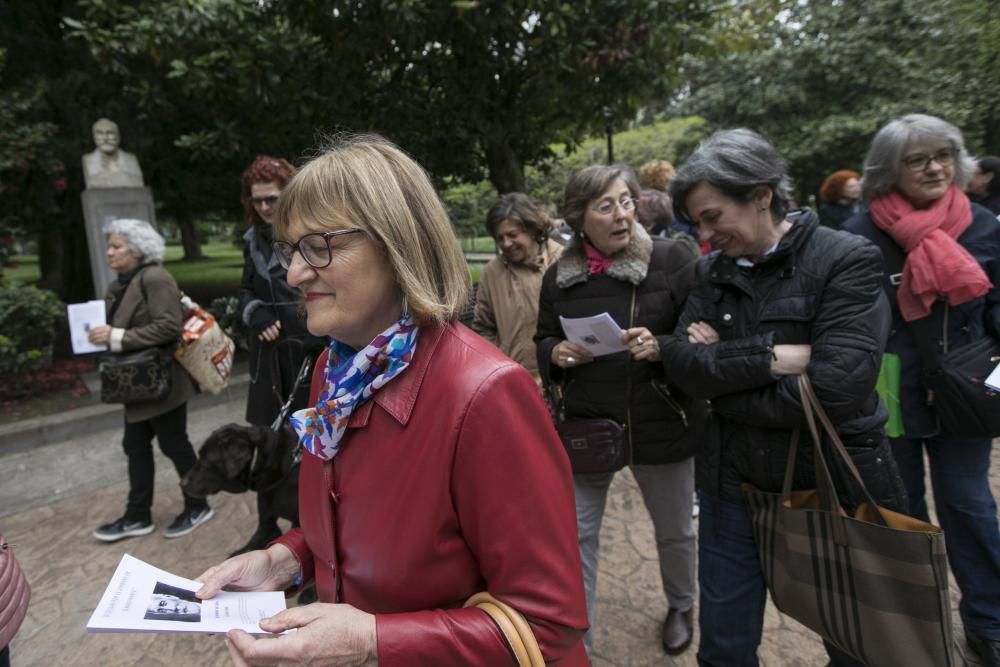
[967, 512]
[733, 590]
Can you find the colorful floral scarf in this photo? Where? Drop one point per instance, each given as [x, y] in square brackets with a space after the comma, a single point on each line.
[350, 379]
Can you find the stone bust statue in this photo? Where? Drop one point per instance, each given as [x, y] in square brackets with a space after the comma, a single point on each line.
[108, 166]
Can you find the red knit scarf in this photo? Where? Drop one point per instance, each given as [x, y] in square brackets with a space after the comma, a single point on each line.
[936, 265]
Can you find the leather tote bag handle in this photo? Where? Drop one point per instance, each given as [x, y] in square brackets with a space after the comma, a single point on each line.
[814, 409]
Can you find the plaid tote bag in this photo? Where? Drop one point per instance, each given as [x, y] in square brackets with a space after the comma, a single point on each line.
[874, 584]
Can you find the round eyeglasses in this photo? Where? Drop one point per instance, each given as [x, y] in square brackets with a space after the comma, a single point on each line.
[917, 162]
[314, 248]
[607, 207]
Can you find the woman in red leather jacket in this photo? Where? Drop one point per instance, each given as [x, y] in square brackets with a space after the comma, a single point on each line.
[431, 468]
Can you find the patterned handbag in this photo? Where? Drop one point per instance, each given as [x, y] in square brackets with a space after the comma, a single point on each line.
[136, 377]
[874, 584]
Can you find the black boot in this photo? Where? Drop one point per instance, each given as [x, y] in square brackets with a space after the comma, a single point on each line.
[988, 651]
[678, 631]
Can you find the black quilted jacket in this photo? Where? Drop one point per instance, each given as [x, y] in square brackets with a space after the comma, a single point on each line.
[820, 287]
[659, 272]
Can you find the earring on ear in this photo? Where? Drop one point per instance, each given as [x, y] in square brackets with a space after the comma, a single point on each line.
[406, 308]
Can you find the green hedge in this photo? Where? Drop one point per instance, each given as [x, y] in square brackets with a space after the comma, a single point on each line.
[30, 321]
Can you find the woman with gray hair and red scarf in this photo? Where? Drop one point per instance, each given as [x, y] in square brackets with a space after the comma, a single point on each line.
[949, 286]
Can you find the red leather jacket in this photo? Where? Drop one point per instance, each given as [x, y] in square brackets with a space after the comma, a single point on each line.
[451, 480]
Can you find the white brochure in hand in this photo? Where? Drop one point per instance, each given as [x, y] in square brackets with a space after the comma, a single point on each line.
[143, 598]
[599, 334]
[993, 379]
[83, 316]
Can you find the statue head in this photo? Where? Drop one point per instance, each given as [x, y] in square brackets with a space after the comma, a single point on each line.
[106, 136]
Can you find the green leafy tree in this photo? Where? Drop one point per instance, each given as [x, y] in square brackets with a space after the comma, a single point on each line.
[672, 140]
[51, 95]
[485, 88]
[823, 76]
[471, 88]
[213, 83]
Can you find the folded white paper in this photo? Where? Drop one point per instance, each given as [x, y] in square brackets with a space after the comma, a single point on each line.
[143, 598]
[82, 317]
[599, 334]
[993, 379]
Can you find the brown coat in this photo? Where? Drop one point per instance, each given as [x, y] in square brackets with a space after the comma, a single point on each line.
[507, 305]
[150, 313]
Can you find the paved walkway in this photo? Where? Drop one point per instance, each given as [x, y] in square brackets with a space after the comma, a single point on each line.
[53, 496]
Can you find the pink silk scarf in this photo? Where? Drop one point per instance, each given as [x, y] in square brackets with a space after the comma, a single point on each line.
[597, 261]
[936, 265]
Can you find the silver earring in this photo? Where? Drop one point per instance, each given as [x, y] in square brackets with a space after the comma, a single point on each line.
[406, 307]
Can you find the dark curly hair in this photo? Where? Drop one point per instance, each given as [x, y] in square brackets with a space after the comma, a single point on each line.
[833, 187]
[264, 169]
[523, 210]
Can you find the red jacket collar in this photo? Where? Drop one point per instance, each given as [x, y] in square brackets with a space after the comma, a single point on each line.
[399, 396]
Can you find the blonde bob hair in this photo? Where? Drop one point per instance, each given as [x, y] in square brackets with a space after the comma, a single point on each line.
[366, 182]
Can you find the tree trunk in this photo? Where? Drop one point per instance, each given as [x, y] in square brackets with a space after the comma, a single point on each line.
[50, 261]
[64, 263]
[189, 237]
[505, 169]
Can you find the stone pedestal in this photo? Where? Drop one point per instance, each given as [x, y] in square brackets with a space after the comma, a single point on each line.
[102, 205]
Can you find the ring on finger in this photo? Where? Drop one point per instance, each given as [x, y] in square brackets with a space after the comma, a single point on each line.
[639, 340]
[570, 360]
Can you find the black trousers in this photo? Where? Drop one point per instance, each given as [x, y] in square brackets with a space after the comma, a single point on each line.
[170, 430]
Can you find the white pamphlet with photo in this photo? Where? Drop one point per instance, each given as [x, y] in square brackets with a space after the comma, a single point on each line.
[143, 598]
[599, 334]
[993, 379]
[82, 317]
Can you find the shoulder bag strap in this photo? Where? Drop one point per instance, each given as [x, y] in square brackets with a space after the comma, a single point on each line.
[894, 258]
[628, 379]
[121, 295]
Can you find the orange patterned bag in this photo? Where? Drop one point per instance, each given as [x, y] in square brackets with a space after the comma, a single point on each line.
[205, 351]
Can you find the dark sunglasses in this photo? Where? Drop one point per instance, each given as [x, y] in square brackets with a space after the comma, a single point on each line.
[270, 200]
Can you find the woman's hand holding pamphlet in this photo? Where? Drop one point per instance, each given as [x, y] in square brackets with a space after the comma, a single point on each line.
[143, 598]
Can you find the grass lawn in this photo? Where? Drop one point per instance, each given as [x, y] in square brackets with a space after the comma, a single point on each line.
[24, 270]
[478, 244]
[218, 274]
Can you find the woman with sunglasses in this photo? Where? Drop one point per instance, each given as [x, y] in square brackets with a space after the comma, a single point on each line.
[431, 469]
[613, 266]
[278, 337]
[945, 254]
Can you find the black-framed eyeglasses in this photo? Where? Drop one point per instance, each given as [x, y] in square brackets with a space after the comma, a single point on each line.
[270, 200]
[607, 207]
[314, 248]
[917, 162]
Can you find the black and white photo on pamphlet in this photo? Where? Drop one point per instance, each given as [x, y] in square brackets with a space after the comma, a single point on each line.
[144, 598]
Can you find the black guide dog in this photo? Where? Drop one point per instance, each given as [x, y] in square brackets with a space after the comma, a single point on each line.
[239, 458]
[264, 459]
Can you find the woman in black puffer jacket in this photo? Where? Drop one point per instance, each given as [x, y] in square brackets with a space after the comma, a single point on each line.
[613, 266]
[778, 296]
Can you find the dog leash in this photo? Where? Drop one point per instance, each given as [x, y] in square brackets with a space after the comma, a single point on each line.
[278, 424]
